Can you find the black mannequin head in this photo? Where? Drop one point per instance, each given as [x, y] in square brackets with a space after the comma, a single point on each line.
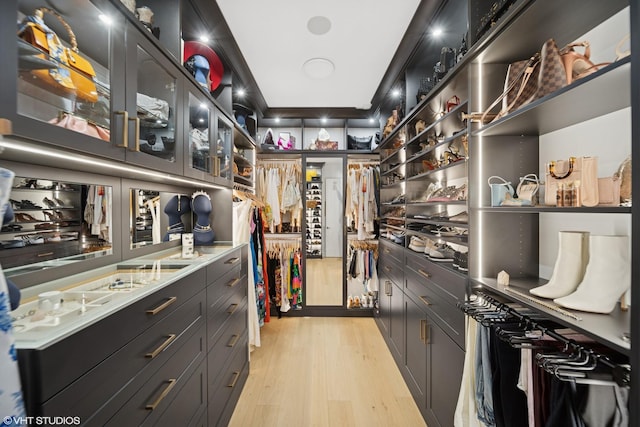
[176, 207]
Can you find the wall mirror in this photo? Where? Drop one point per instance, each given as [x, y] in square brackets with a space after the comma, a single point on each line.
[53, 223]
[324, 198]
[157, 216]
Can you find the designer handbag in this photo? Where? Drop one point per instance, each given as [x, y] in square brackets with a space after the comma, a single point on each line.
[582, 172]
[359, 142]
[78, 124]
[499, 190]
[530, 79]
[74, 74]
[609, 191]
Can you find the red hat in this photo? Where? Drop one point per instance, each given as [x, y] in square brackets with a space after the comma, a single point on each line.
[216, 69]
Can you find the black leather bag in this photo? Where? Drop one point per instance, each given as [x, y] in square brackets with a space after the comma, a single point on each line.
[359, 142]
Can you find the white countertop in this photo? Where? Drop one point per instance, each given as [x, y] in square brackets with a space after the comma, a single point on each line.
[93, 295]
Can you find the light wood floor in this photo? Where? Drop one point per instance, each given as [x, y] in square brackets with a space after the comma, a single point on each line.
[317, 371]
[324, 281]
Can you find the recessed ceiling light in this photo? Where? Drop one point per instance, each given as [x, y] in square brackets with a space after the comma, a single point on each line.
[318, 68]
[323, 120]
[240, 92]
[437, 32]
[319, 25]
[204, 38]
[371, 120]
[395, 93]
[277, 119]
[203, 105]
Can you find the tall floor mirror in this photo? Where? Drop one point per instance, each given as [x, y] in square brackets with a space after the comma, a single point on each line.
[324, 245]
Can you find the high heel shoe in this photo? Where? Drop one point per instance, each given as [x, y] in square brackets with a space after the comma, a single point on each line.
[24, 217]
[578, 65]
[50, 203]
[526, 192]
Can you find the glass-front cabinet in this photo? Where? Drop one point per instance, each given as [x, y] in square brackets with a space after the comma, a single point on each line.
[199, 160]
[223, 156]
[152, 95]
[63, 71]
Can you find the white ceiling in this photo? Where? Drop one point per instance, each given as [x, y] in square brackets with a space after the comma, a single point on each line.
[275, 42]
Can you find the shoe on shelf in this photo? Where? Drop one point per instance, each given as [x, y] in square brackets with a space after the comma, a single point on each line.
[417, 244]
[463, 261]
[441, 253]
[526, 192]
[462, 217]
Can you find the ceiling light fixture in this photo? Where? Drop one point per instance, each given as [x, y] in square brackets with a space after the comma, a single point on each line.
[323, 120]
[277, 119]
[318, 68]
[240, 92]
[437, 32]
[371, 120]
[319, 25]
[204, 38]
[203, 105]
[396, 93]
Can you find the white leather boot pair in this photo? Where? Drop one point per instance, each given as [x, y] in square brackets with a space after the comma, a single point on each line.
[591, 273]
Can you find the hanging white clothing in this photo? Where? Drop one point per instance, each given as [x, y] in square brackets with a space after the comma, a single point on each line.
[242, 234]
[466, 412]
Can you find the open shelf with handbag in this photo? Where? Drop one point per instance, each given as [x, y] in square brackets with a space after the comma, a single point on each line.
[573, 111]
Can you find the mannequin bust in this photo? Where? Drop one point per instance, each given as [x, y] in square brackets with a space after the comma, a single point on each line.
[174, 209]
[203, 234]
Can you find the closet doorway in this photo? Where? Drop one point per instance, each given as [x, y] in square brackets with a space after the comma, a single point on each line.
[324, 202]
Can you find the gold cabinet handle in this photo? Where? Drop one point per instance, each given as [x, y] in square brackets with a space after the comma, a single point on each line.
[232, 308]
[387, 268]
[387, 251]
[125, 128]
[233, 282]
[424, 273]
[162, 346]
[234, 339]
[136, 145]
[233, 382]
[45, 254]
[426, 332]
[165, 392]
[423, 331]
[425, 301]
[390, 288]
[232, 261]
[162, 306]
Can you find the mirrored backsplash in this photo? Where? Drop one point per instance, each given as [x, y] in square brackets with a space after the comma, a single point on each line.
[51, 223]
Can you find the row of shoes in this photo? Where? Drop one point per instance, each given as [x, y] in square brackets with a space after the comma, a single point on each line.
[23, 204]
[364, 301]
[396, 236]
[462, 217]
[36, 239]
[439, 193]
[439, 252]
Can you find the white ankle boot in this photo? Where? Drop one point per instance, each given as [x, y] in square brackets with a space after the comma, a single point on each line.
[573, 255]
[607, 278]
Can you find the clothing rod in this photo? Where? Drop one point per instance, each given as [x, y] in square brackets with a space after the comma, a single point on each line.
[622, 371]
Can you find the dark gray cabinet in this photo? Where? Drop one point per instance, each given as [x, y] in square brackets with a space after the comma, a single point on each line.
[227, 335]
[177, 356]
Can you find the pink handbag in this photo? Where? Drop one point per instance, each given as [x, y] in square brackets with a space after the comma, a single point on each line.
[80, 125]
